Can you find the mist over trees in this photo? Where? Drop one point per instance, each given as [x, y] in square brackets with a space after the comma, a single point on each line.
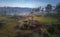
[58, 9]
[48, 10]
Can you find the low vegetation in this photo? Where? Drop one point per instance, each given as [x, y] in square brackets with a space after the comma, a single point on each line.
[13, 28]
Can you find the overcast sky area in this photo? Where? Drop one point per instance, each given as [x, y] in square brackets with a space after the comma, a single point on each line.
[27, 3]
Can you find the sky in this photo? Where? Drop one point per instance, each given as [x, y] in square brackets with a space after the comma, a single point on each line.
[27, 3]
